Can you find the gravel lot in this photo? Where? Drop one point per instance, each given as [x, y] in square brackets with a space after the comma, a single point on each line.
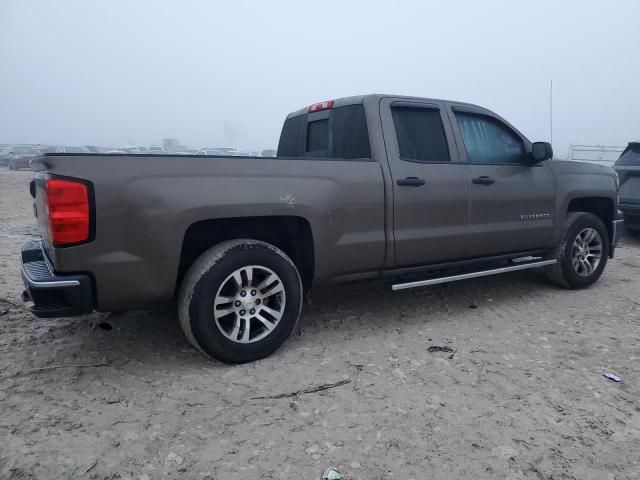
[521, 397]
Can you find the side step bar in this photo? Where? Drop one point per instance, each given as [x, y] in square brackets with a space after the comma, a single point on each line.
[464, 276]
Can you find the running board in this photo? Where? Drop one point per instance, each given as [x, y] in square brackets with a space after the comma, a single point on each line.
[464, 276]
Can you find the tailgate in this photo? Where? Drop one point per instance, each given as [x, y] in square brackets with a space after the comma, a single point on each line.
[36, 188]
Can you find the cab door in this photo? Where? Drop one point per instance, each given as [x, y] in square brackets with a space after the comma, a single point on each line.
[430, 185]
[511, 199]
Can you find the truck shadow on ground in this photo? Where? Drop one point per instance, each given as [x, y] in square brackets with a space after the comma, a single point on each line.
[630, 240]
[335, 314]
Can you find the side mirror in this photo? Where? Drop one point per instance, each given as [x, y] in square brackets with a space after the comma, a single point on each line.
[541, 151]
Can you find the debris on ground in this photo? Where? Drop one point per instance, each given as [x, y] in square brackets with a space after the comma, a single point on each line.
[53, 367]
[331, 474]
[319, 388]
[613, 377]
[438, 348]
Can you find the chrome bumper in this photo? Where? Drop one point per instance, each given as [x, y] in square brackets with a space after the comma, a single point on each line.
[52, 294]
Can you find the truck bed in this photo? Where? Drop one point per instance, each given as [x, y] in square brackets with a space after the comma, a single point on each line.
[144, 205]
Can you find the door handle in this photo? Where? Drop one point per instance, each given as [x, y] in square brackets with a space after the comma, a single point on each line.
[484, 180]
[411, 182]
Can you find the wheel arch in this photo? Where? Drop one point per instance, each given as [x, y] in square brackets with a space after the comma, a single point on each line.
[291, 234]
[601, 207]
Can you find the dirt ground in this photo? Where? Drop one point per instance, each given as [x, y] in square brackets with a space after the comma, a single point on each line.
[521, 397]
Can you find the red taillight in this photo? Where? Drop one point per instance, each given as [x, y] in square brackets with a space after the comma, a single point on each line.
[67, 211]
[316, 107]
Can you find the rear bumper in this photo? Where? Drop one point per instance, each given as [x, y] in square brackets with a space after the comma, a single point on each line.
[53, 295]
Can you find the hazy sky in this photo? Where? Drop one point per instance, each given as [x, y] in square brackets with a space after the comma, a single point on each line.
[226, 72]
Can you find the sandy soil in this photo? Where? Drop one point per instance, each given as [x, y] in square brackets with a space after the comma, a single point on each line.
[522, 397]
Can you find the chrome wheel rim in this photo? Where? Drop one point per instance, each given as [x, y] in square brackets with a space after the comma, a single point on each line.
[249, 304]
[587, 252]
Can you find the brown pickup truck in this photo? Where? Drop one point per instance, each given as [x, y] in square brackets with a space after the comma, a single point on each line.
[416, 191]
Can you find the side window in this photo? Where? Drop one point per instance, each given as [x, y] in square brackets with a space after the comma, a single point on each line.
[349, 134]
[487, 140]
[420, 134]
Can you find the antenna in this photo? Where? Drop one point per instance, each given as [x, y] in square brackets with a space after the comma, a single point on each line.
[551, 111]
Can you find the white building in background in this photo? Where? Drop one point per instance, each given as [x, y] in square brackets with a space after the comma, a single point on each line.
[603, 155]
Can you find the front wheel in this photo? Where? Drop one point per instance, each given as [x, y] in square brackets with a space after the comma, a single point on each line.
[240, 300]
[582, 253]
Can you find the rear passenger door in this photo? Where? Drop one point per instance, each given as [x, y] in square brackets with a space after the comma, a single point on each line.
[430, 186]
[511, 200]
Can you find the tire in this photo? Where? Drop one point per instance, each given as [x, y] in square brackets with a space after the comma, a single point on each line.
[564, 273]
[12, 166]
[213, 279]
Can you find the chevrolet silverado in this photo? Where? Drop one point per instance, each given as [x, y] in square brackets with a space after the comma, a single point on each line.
[412, 190]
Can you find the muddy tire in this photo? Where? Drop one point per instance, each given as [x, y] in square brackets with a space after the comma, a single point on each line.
[240, 300]
[582, 253]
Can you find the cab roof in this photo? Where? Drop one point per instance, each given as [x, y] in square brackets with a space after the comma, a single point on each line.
[361, 99]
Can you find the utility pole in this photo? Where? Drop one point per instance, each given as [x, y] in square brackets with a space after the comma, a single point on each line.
[551, 111]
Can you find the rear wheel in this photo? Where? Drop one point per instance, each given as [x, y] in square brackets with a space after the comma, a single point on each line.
[240, 300]
[582, 253]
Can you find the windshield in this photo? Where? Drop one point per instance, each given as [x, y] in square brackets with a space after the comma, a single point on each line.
[630, 157]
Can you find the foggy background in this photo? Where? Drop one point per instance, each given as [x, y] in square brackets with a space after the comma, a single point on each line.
[80, 72]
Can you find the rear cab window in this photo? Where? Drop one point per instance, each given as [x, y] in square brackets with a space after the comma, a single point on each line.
[318, 137]
[338, 133]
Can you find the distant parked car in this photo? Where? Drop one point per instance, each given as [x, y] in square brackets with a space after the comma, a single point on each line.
[269, 152]
[20, 156]
[211, 151]
[74, 150]
[628, 169]
[155, 149]
[124, 151]
[4, 156]
[131, 149]
[232, 151]
[51, 149]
